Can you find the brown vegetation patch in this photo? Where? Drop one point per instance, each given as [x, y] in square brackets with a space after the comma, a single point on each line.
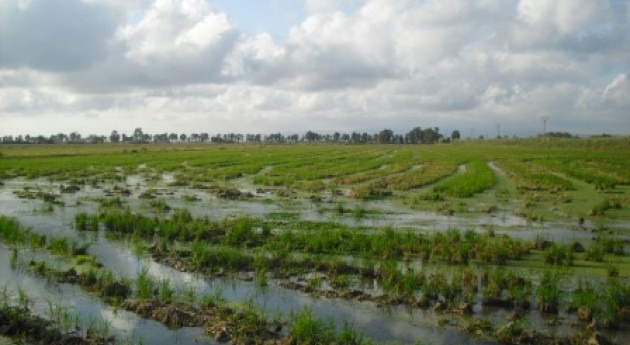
[173, 315]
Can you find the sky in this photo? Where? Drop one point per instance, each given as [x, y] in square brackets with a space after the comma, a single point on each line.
[267, 66]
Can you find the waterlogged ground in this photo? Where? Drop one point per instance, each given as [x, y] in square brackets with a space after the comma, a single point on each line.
[45, 295]
[393, 324]
[540, 215]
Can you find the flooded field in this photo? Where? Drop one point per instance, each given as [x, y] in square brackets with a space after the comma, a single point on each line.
[457, 244]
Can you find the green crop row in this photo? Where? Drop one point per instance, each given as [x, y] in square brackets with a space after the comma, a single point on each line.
[476, 178]
[530, 176]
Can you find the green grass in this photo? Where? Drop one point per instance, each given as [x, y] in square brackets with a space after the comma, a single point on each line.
[307, 329]
[476, 178]
[575, 174]
[145, 285]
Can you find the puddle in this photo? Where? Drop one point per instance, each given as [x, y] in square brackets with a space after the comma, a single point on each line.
[395, 324]
[122, 324]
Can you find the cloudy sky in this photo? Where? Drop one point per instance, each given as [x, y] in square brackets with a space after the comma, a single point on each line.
[262, 66]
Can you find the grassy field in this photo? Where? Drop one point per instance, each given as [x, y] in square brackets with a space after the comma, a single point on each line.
[576, 186]
[571, 178]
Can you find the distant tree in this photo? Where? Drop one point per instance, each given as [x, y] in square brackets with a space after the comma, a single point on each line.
[275, 138]
[95, 139]
[311, 136]
[172, 137]
[182, 137]
[43, 140]
[75, 137]
[114, 137]
[161, 138]
[138, 135]
[559, 135]
[455, 135]
[204, 137]
[59, 138]
[415, 136]
[385, 136]
[431, 135]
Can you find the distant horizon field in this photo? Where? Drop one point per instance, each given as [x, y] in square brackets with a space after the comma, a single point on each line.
[500, 241]
[575, 175]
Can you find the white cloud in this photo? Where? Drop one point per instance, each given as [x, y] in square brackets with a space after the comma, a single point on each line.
[255, 57]
[55, 35]
[321, 6]
[178, 42]
[618, 91]
[564, 16]
[363, 63]
[173, 28]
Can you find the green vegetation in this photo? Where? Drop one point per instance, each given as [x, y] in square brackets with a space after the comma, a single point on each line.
[584, 170]
[145, 285]
[319, 225]
[83, 222]
[475, 178]
[154, 300]
[307, 329]
[60, 326]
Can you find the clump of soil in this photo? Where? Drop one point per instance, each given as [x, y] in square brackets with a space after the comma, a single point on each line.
[116, 289]
[223, 324]
[514, 333]
[173, 315]
[229, 193]
[69, 188]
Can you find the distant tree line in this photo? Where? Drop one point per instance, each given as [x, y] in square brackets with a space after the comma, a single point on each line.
[416, 136]
[558, 135]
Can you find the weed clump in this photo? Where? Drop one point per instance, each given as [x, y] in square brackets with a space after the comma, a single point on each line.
[548, 293]
[306, 328]
[85, 222]
[602, 207]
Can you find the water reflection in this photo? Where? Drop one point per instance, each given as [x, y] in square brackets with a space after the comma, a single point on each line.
[122, 324]
[395, 324]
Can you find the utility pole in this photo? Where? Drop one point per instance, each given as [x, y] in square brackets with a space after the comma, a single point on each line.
[498, 130]
[544, 120]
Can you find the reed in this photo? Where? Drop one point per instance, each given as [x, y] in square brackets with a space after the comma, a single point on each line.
[165, 291]
[85, 222]
[549, 292]
[144, 285]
